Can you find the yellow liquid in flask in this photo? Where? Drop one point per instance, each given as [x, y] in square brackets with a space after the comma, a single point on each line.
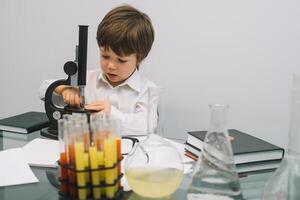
[154, 182]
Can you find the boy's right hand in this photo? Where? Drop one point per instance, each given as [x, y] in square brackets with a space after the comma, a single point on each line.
[70, 95]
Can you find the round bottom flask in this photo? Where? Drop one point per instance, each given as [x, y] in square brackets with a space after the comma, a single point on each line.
[154, 168]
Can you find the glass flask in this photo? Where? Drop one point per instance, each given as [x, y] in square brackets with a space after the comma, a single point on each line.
[215, 176]
[284, 184]
[154, 168]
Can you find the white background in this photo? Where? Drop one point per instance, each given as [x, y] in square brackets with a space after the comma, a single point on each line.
[239, 52]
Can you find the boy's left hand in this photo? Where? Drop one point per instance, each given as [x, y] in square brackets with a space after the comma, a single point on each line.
[99, 106]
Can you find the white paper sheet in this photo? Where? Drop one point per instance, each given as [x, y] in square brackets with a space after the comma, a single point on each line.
[42, 152]
[14, 169]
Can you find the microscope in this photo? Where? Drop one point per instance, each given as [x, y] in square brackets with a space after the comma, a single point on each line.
[76, 71]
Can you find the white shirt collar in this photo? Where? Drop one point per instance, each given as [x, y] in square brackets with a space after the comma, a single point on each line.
[134, 81]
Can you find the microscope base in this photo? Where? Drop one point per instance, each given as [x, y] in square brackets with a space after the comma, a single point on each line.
[49, 133]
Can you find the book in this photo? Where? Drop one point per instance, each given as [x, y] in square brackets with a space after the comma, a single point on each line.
[13, 137]
[246, 148]
[245, 168]
[25, 122]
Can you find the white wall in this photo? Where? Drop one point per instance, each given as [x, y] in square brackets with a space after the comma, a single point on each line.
[242, 53]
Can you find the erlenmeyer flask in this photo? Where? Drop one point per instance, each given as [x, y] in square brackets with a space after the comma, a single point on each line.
[284, 184]
[215, 173]
[154, 168]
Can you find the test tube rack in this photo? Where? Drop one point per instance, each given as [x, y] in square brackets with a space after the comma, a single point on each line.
[90, 158]
[92, 187]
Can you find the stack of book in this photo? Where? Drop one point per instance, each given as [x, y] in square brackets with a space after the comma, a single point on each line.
[251, 154]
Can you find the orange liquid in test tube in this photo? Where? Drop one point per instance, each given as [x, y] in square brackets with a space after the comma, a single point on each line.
[97, 143]
[86, 141]
[119, 155]
[71, 173]
[99, 139]
[63, 172]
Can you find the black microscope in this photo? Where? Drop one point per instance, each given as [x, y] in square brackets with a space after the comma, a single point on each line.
[76, 71]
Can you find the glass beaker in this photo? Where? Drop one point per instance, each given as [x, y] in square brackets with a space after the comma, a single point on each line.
[215, 174]
[154, 168]
[284, 184]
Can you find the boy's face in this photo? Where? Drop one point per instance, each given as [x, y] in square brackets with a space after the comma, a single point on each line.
[116, 68]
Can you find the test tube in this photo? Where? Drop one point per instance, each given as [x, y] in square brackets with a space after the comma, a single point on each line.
[110, 160]
[98, 134]
[98, 143]
[107, 127]
[94, 164]
[115, 133]
[86, 143]
[80, 161]
[71, 154]
[86, 135]
[63, 156]
[119, 156]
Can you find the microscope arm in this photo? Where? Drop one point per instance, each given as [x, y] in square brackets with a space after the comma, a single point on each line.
[53, 112]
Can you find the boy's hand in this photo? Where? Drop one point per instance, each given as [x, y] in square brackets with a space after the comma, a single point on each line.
[70, 95]
[99, 106]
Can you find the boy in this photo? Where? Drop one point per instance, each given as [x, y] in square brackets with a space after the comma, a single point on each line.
[125, 37]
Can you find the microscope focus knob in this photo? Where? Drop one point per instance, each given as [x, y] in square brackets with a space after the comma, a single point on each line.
[70, 68]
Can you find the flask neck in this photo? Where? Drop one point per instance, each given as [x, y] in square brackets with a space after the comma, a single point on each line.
[218, 120]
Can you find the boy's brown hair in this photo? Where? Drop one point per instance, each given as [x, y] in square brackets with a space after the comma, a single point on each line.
[126, 30]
